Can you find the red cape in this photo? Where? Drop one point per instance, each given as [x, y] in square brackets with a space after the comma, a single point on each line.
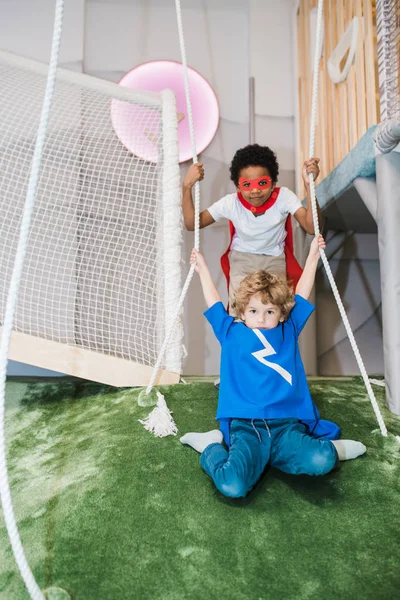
[293, 269]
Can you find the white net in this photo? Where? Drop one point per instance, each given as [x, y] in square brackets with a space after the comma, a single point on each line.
[388, 34]
[102, 270]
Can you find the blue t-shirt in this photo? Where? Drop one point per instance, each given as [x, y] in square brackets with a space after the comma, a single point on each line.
[262, 374]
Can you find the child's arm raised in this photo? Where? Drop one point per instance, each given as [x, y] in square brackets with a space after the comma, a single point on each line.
[209, 290]
[194, 174]
[307, 279]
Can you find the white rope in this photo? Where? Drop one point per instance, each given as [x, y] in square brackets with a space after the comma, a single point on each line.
[196, 203]
[190, 122]
[380, 382]
[9, 517]
[316, 228]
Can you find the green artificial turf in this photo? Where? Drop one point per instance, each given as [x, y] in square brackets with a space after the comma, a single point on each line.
[108, 511]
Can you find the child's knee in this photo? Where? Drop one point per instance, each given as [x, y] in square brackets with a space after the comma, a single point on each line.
[235, 487]
[322, 460]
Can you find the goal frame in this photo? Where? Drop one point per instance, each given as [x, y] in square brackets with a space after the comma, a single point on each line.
[88, 364]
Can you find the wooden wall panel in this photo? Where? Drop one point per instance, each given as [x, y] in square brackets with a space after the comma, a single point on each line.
[347, 109]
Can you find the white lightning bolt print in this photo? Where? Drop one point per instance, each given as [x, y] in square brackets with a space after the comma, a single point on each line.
[268, 351]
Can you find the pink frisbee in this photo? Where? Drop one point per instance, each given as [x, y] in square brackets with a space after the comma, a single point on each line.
[133, 124]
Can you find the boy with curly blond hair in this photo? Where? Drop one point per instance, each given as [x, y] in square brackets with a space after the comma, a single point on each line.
[265, 410]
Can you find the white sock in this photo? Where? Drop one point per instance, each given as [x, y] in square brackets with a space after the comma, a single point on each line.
[200, 441]
[348, 449]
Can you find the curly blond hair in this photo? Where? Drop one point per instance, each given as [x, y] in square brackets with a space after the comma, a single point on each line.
[273, 289]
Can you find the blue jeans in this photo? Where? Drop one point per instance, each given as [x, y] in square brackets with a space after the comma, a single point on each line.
[282, 443]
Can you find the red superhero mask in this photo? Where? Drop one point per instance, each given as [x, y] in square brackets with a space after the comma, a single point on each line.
[249, 184]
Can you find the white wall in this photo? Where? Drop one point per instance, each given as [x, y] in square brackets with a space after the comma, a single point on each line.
[271, 64]
[26, 28]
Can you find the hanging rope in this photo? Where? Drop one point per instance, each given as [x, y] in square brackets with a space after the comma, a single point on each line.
[318, 45]
[196, 203]
[26, 573]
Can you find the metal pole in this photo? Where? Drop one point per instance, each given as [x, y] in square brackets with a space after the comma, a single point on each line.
[252, 111]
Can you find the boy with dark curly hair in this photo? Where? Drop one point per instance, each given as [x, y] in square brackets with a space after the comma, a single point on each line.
[265, 410]
[258, 213]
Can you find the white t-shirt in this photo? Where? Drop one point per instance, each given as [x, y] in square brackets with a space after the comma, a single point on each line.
[259, 235]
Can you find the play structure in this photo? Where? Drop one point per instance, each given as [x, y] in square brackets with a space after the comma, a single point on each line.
[102, 272]
[360, 157]
[92, 287]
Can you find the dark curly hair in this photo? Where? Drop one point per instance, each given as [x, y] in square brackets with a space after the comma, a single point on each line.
[254, 156]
